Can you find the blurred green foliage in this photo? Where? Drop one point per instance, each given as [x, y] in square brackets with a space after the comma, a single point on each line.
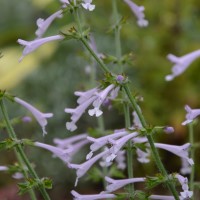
[173, 28]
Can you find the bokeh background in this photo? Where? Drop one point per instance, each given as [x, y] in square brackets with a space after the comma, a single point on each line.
[48, 77]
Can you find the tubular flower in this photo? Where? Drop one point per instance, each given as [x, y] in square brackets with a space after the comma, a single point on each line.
[186, 194]
[118, 144]
[39, 116]
[68, 142]
[181, 63]
[191, 114]
[87, 5]
[117, 184]
[102, 141]
[138, 11]
[65, 3]
[31, 46]
[78, 196]
[181, 151]
[96, 97]
[185, 167]
[57, 152]
[44, 24]
[120, 159]
[143, 156]
[84, 167]
[161, 197]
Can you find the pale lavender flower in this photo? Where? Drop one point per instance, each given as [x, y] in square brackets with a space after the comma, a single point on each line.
[26, 119]
[161, 197]
[102, 141]
[31, 46]
[78, 196]
[81, 169]
[57, 152]
[186, 194]
[185, 167]
[96, 97]
[120, 159]
[168, 129]
[143, 156]
[191, 114]
[76, 147]
[77, 113]
[44, 24]
[117, 184]
[18, 175]
[65, 143]
[101, 96]
[136, 121]
[120, 78]
[118, 144]
[87, 5]
[65, 3]
[3, 168]
[181, 63]
[138, 11]
[181, 151]
[84, 96]
[39, 116]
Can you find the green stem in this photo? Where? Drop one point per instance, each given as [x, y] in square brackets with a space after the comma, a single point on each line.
[98, 60]
[117, 35]
[151, 143]
[129, 151]
[192, 152]
[20, 150]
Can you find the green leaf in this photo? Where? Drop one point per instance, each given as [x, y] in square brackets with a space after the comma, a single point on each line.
[34, 183]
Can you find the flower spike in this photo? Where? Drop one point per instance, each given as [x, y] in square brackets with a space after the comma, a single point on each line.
[39, 116]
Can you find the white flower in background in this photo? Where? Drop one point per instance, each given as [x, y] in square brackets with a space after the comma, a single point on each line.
[118, 144]
[181, 63]
[31, 46]
[81, 169]
[136, 121]
[114, 185]
[57, 152]
[39, 116]
[87, 5]
[78, 196]
[186, 194]
[143, 156]
[68, 142]
[3, 168]
[44, 24]
[65, 3]
[191, 114]
[181, 151]
[102, 141]
[120, 159]
[185, 167]
[96, 97]
[138, 11]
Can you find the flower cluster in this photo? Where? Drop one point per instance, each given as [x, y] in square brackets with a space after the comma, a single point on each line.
[96, 97]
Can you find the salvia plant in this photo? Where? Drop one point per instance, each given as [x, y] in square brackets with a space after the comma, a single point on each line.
[111, 153]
